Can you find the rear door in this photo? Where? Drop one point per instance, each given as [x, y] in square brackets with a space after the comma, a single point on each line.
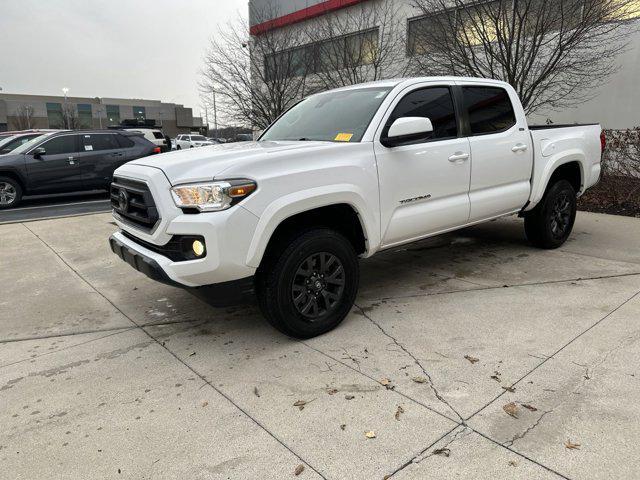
[100, 155]
[501, 150]
[424, 183]
[57, 170]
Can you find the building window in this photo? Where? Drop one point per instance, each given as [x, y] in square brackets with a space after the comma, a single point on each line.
[139, 113]
[354, 49]
[113, 115]
[54, 115]
[424, 30]
[84, 116]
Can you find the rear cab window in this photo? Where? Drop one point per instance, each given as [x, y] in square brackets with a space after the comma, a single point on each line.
[489, 109]
[158, 135]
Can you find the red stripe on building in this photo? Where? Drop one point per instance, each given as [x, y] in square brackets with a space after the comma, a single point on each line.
[302, 15]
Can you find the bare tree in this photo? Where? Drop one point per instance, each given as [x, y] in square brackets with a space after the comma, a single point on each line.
[361, 43]
[70, 119]
[551, 51]
[24, 117]
[254, 78]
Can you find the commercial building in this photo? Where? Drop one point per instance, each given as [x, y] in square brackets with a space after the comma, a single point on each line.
[19, 112]
[615, 104]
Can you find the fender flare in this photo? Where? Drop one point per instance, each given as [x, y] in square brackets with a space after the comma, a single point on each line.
[298, 202]
[541, 181]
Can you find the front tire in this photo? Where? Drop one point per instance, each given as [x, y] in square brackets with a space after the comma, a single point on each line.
[550, 223]
[10, 192]
[310, 284]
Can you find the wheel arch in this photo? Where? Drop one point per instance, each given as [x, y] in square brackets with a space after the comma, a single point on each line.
[342, 210]
[569, 166]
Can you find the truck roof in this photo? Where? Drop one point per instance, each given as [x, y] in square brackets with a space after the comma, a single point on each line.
[394, 82]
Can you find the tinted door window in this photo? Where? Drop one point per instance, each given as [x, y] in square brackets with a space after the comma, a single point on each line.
[123, 141]
[434, 103]
[489, 108]
[61, 145]
[99, 142]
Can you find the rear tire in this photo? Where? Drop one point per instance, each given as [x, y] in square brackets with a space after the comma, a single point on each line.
[550, 223]
[10, 192]
[309, 283]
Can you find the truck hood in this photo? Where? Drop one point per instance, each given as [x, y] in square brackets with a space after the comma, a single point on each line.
[205, 163]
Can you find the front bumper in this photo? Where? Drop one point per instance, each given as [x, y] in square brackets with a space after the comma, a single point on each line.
[217, 294]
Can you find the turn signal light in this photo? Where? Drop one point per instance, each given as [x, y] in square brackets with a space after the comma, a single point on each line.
[241, 190]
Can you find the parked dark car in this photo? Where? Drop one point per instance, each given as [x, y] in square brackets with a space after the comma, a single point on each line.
[68, 161]
[11, 142]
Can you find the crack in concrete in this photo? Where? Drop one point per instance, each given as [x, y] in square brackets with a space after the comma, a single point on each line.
[416, 361]
[456, 436]
[521, 435]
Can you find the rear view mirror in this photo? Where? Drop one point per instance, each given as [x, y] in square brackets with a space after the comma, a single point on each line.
[38, 152]
[406, 126]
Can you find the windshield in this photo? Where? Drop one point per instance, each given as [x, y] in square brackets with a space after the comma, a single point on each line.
[198, 138]
[341, 116]
[26, 146]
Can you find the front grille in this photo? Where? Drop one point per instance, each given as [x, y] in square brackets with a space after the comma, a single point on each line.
[133, 202]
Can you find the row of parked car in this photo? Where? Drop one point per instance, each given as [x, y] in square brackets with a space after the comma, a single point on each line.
[36, 162]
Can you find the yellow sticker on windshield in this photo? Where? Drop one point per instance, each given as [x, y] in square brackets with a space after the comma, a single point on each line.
[343, 137]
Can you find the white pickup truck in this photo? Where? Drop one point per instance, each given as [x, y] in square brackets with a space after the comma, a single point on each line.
[345, 174]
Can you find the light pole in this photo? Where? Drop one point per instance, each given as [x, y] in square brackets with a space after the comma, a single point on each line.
[65, 111]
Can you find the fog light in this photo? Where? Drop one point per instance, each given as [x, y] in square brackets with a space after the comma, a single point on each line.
[198, 247]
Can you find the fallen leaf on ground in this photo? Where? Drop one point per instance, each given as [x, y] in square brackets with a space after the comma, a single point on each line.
[385, 381]
[204, 404]
[419, 379]
[255, 392]
[399, 411]
[445, 452]
[349, 397]
[510, 389]
[529, 407]
[472, 359]
[511, 409]
[513, 463]
[301, 403]
[343, 426]
[332, 391]
[370, 434]
[192, 354]
[571, 446]
[299, 469]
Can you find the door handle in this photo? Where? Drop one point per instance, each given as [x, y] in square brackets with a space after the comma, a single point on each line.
[519, 147]
[118, 154]
[458, 156]
[71, 161]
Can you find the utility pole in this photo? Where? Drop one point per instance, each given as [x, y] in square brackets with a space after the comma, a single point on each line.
[65, 110]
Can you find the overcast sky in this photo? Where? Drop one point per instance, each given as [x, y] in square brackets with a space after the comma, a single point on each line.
[150, 49]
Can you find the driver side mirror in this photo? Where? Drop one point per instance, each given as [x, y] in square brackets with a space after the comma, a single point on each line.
[407, 128]
[38, 152]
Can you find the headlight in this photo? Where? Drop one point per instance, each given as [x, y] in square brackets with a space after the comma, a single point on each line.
[214, 196]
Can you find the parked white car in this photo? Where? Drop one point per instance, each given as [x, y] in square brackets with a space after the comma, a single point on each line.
[190, 141]
[345, 174]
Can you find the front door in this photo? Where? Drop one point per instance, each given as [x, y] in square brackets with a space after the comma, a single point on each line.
[57, 169]
[424, 182]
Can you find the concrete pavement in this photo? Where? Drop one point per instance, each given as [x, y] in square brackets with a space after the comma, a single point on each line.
[469, 356]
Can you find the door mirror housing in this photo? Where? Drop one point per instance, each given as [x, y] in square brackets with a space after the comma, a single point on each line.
[38, 152]
[407, 128]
